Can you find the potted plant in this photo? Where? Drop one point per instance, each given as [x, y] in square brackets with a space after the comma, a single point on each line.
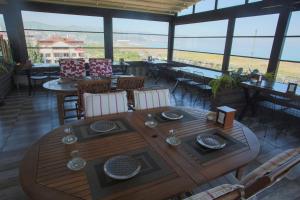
[270, 78]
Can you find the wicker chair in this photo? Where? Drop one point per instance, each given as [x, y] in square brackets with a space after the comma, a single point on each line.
[129, 84]
[90, 86]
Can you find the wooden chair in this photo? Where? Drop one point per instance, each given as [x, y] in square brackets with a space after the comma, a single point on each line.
[270, 172]
[151, 98]
[105, 103]
[90, 86]
[129, 84]
[222, 192]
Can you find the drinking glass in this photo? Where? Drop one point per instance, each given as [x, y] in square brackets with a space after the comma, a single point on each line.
[70, 138]
[76, 163]
[150, 121]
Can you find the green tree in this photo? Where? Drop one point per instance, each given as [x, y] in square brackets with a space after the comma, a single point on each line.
[34, 54]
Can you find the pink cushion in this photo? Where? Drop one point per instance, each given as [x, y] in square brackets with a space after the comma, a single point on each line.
[100, 67]
[72, 68]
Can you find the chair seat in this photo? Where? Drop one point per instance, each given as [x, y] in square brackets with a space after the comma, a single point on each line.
[183, 79]
[277, 97]
[193, 83]
[203, 87]
[38, 77]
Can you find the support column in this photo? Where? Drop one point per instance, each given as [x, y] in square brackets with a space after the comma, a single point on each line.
[108, 37]
[228, 44]
[282, 27]
[15, 30]
[171, 39]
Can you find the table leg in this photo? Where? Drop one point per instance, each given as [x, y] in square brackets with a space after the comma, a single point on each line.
[60, 107]
[250, 101]
[247, 98]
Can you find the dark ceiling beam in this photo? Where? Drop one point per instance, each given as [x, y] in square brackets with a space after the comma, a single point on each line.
[247, 10]
[90, 11]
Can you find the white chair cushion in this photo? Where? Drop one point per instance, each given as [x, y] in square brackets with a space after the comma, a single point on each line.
[105, 103]
[147, 99]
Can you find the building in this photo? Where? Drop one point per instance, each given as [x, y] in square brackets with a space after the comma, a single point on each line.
[57, 47]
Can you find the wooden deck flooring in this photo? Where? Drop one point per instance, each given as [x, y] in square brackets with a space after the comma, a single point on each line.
[24, 119]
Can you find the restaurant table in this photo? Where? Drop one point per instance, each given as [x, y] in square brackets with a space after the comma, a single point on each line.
[166, 170]
[68, 88]
[196, 70]
[254, 90]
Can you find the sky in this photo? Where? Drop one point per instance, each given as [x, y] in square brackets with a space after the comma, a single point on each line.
[251, 26]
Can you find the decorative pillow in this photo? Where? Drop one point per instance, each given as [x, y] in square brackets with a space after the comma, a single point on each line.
[100, 67]
[147, 99]
[232, 192]
[104, 103]
[72, 68]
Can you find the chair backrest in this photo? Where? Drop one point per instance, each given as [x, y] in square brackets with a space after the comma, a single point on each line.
[222, 192]
[147, 99]
[100, 67]
[72, 68]
[129, 84]
[91, 86]
[270, 172]
[104, 103]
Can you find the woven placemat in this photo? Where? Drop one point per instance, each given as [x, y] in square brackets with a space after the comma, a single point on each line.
[202, 154]
[153, 168]
[84, 132]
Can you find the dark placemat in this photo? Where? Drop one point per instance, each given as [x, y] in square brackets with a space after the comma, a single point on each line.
[153, 168]
[186, 117]
[84, 132]
[203, 154]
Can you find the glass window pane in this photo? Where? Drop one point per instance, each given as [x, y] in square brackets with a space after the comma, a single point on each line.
[211, 45]
[136, 40]
[2, 24]
[214, 28]
[137, 54]
[251, 1]
[253, 47]
[53, 21]
[140, 26]
[288, 72]
[186, 11]
[291, 49]
[294, 24]
[204, 5]
[248, 64]
[264, 25]
[212, 61]
[229, 3]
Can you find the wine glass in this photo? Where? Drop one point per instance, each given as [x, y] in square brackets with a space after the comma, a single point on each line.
[76, 163]
[70, 138]
[150, 121]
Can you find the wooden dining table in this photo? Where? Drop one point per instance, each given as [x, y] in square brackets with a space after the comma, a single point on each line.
[167, 170]
[64, 88]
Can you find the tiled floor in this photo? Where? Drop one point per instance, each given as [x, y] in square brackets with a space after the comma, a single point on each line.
[24, 119]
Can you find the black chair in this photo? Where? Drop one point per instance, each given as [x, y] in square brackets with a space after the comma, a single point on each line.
[36, 77]
[204, 90]
[180, 80]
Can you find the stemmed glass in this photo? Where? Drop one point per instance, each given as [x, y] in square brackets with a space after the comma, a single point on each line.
[76, 163]
[172, 139]
[150, 121]
[70, 138]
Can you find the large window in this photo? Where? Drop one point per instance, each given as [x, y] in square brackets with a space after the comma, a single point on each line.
[201, 44]
[289, 67]
[186, 11]
[135, 40]
[252, 42]
[50, 37]
[205, 5]
[229, 3]
[2, 27]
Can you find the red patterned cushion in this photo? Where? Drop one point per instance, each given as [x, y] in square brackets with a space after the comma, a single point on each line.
[72, 68]
[100, 67]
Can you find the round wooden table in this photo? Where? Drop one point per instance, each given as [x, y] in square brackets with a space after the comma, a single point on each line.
[44, 174]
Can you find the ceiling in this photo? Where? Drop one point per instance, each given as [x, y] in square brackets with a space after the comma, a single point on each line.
[167, 7]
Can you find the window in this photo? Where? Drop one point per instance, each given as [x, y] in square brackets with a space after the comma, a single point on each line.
[186, 11]
[135, 40]
[205, 5]
[62, 36]
[289, 67]
[252, 42]
[2, 27]
[201, 44]
[229, 3]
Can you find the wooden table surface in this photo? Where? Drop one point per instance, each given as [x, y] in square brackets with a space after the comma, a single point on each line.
[44, 175]
[196, 70]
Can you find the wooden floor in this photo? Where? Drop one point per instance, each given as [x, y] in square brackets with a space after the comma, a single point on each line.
[24, 119]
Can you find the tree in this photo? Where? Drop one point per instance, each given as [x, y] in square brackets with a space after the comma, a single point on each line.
[34, 54]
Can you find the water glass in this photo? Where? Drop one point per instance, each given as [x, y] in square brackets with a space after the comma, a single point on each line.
[150, 121]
